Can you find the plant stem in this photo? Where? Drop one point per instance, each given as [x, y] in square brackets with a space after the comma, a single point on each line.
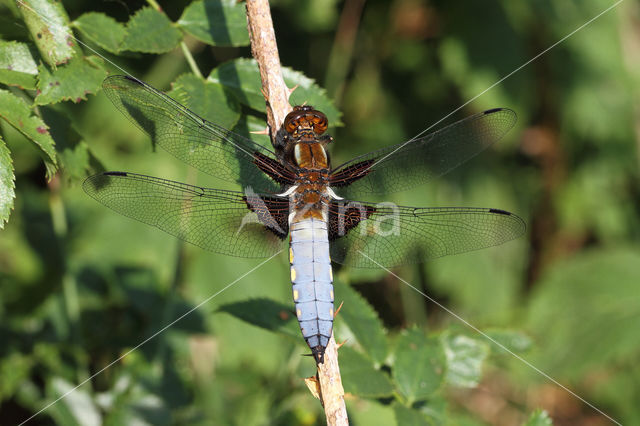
[328, 382]
[190, 60]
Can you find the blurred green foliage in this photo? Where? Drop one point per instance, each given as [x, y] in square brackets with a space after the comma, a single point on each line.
[81, 286]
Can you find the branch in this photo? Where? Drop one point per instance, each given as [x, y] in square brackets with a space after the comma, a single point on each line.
[265, 51]
[327, 384]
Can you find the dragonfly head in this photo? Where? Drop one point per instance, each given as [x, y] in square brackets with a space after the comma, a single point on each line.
[305, 118]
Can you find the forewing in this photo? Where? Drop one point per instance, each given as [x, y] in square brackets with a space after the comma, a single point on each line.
[194, 140]
[413, 163]
[216, 220]
[393, 235]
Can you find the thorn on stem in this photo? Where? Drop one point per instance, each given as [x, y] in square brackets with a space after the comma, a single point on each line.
[291, 90]
[261, 132]
[335, 314]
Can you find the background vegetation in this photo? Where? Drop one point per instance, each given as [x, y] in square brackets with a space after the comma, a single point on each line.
[80, 285]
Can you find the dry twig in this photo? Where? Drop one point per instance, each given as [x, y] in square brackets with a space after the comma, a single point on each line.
[327, 383]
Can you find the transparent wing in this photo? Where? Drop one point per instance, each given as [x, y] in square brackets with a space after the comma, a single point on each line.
[412, 163]
[393, 235]
[194, 140]
[216, 220]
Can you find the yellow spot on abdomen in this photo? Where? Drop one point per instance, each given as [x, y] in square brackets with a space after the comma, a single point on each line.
[296, 295]
[299, 313]
[293, 274]
[331, 294]
[331, 311]
[331, 273]
[290, 255]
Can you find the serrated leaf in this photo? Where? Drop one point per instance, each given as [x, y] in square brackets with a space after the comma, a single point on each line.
[7, 185]
[150, 31]
[242, 78]
[216, 22]
[17, 66]
[363, 322]
[102, 30]
[265, 313]
[538, 418]
[206, 99]
[406, 416]
[48, 24]
[70, 82]
[76, 408]
[17, 113]
[465, 357]
[419, 365]
[360, 377]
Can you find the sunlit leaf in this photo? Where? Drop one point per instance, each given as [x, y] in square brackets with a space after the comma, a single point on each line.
[538, 418]
[7, 184]
[150, 31]
[360, 377]
[70, 82]
[265, 313]
[48, 25]
[363, 322]
[102, 30]
[242, 78]
[465, 357]
[17, 113]
[76, 408]
[207, 99]
[17, 66]
[419, 366]
[216, 22]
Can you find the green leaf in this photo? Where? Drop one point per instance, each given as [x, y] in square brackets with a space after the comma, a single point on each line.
[75, 161]
[76, 408]
[515, 341]
[71, 82]
[464, 359]
[14, 366]
[216, 22]
[598, 329]
[208, 100]
[360, 377]
[538, 418]
[102, 30]
[242, 78]
[265, 313]
[7, 185]
[17, 66]
[17, 113]
[48, 24]
[419, 365]
[407, 417]
[248, 124]
[363, 322]
[150, 31]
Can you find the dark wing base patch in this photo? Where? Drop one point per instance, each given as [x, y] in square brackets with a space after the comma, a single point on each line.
[272, 212]
[350, 174]
[344, 216]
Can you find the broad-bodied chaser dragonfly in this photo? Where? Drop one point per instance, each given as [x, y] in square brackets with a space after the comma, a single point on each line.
[295, 191]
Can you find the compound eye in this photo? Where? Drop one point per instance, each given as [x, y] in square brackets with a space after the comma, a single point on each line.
[320, 122]
[290, 125]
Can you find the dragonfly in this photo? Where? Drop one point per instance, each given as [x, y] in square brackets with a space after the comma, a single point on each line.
[293, 190]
